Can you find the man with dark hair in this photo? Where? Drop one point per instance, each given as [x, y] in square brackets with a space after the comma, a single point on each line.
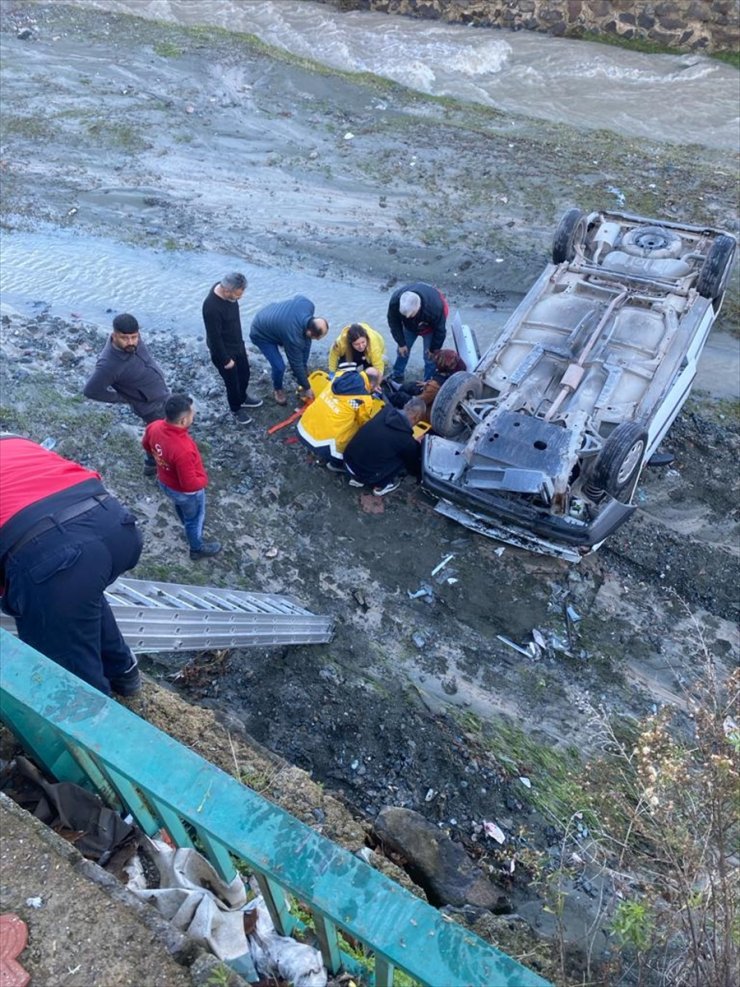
[226, 343]
[126, 373]
[291, 325]
[385, 449]
[415, 310]
[180, 470]
[63, 539]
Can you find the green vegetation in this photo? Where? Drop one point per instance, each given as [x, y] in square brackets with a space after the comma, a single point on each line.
[166, 49]
[33, 128]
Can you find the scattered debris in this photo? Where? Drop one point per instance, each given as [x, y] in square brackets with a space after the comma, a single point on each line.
[526, 782]
[572, 614]
[35, 902]
[429, 795]
[510, 643]
[494, 831]
[271, 553]
[419, 640]
[423, 590]
[499, 551]
[442, 564]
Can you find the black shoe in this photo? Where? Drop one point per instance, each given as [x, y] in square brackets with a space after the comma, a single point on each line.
[241, 417]
[250, 401]
[129, 683]
[206, 550]
[335, 467]
[150, 469]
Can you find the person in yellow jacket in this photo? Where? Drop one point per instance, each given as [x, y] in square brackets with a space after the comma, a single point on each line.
[358, 344]
[339, 411]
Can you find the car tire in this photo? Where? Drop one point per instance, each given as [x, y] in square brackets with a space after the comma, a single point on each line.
[716, 268]
[570, 229]
[620, 458]
[651, 241]
[445, 417]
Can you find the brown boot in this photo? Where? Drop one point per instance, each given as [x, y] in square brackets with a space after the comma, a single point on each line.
[280, 397]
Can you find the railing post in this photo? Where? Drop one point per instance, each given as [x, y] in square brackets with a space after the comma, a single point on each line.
[277, 904]
[326, 932]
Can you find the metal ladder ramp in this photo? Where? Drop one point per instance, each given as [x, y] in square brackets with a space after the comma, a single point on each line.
[169, 617]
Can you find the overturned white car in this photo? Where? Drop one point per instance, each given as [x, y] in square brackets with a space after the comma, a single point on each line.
[543, 443]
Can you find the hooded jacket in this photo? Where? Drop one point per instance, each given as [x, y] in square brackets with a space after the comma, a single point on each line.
[285, 324]
[384, 449]
[128, 378]
[374, 354]
[430, 319]
[338, 412]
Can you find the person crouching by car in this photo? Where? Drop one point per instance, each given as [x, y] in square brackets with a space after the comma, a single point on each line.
[330, 421]
[385, 449]
[447, 363]
[180, 470]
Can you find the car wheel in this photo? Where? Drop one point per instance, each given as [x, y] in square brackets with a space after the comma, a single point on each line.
[620, 458]
[571, 229]
[716, 268]
[651, 241]
[446, 418]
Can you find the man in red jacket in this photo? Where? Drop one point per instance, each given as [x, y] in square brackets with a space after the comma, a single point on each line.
[63, 539]
[180, 470]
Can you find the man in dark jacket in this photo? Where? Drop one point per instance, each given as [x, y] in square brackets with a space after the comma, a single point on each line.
[226, 344]
[126, 373]
[384, 449]
[291, 325]
[415, 310]
[63, 539]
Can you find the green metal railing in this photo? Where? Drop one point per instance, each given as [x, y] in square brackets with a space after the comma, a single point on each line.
[77, 734]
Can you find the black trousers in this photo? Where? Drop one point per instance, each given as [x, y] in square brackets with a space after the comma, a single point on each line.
[54, 589]
[236, 379]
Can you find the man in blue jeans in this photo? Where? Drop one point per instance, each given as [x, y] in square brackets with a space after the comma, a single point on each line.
[291, 325]
[417, 310]
[180, 470]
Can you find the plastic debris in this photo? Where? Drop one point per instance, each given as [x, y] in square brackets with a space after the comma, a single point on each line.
[573, 615]
[499, 551]
[423, 590]
[429, 795]
[442, 564]
[494, 831]
[349, 136]
[526, 782]
[418, 640]
[510, 643]
[48, 443]
[539, 638]
[280, 956]
[271, 553]
[35, 902]
[451, 581]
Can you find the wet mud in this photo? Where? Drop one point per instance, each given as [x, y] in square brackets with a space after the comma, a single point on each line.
[154, 134]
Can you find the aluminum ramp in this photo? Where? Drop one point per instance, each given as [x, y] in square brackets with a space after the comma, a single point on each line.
[168, 617]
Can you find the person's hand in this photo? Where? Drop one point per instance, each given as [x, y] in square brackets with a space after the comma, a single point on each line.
[307, 394]
[230, 365]
[403, 351]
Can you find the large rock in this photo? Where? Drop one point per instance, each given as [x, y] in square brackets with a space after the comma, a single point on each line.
[441, 867]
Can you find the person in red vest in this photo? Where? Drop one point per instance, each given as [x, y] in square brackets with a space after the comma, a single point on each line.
[180, 470]
[63, 539]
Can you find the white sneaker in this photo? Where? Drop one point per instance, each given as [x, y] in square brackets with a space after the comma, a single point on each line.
[356, 483]
[388, 488]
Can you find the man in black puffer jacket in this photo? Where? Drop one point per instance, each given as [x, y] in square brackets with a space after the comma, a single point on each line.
[385, 449]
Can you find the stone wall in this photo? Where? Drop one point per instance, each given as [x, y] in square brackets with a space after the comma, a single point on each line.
[687, 25]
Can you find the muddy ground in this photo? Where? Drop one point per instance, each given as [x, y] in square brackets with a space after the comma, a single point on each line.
[159, 135]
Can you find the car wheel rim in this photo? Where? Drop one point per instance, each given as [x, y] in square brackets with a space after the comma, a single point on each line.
[630, 461]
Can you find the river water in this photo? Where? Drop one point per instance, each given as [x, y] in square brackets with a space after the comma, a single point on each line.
[681, 98]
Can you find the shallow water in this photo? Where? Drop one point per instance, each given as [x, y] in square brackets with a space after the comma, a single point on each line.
[165, 289]
[685, 98]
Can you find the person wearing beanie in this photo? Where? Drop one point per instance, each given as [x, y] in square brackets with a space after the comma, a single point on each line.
[417, 310]
[127, 373]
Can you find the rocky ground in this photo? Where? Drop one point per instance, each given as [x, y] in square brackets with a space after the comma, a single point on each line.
[418, 701]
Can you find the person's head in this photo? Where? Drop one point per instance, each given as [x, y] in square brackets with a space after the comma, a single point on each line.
[233, 286]
[125, 335]
[448, 361]
[409, 304]
[415, 410]
[357, 338]
[317, 328]
[179, 410]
